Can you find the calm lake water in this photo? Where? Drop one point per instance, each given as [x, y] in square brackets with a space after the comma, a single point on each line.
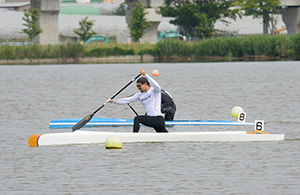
[31, 96]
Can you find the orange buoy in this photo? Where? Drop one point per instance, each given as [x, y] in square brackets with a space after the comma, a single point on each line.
[155, 73]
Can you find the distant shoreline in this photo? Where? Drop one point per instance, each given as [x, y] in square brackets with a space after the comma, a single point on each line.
[137, 59]
[218, 49]
[87, 60]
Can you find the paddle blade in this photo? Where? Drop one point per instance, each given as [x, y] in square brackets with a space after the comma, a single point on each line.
[83, 122]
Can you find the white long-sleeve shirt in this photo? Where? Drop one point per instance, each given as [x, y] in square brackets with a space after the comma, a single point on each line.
[150, 99]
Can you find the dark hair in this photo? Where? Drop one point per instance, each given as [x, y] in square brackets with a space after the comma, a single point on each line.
[143, 80]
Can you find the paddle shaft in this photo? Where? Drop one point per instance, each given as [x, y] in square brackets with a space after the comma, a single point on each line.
[132, 109]
[86, 119]
[117, 93]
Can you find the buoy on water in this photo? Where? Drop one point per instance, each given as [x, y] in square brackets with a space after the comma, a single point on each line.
[236, 111]
[113, 142]
[155, 73]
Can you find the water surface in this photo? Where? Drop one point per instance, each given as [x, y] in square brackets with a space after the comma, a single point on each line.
[31, 96]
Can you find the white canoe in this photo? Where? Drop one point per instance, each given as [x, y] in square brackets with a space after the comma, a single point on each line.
[92, 137]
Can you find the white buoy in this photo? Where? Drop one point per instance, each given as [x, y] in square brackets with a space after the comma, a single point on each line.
[235, 111]
[113, 142]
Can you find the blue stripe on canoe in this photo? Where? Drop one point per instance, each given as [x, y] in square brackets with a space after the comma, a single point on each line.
[99, 122]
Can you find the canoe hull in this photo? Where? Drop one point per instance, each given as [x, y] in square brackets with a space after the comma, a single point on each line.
[89, 137]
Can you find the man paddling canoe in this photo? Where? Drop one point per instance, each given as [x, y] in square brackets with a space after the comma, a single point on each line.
[150, 97]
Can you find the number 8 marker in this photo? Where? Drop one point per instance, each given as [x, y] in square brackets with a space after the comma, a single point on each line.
[242, 117]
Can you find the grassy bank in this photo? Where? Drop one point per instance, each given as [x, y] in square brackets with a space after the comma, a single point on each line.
[226, 48]
[233, 47]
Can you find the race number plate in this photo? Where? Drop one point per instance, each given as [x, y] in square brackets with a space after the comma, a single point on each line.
[242, 117]
[259, 126]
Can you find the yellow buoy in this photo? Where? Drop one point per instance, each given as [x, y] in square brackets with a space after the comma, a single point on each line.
[113, 142]
[236, 111]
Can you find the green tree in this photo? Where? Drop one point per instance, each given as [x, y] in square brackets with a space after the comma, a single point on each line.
[121, 11]
[261, 9]
[85, 30]
[138, 23]
[197, 18]
[31, 17]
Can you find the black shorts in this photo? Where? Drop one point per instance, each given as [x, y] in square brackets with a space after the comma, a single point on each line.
[157, 122]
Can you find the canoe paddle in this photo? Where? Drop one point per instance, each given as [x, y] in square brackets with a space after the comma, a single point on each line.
[86, 119]
[132, 109]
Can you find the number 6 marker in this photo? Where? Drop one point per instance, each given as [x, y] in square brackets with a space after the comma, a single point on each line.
[259, 126]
